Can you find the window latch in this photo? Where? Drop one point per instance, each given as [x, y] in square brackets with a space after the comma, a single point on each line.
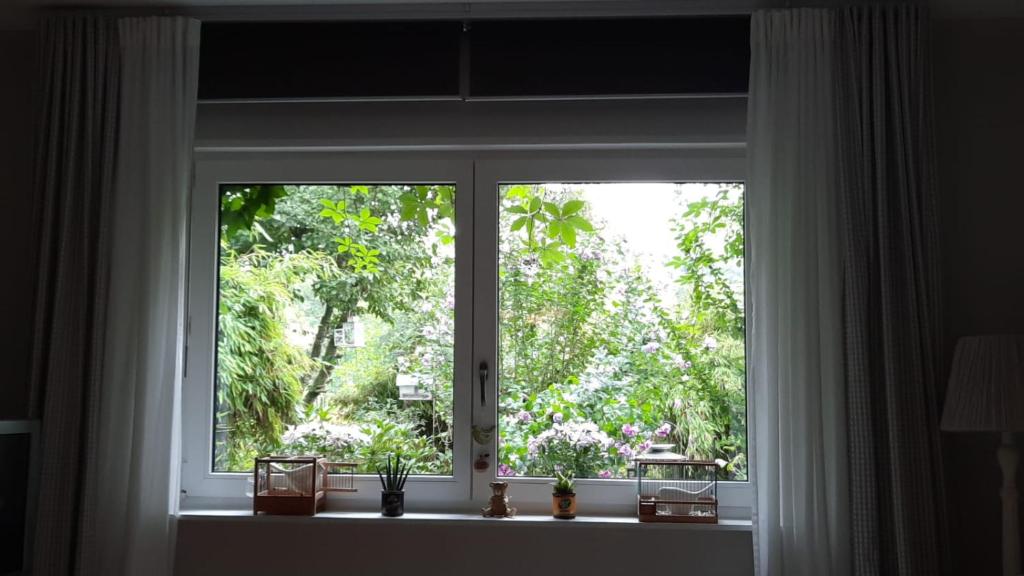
[483, 382]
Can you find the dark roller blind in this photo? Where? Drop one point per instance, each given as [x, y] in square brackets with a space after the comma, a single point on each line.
[507, 58]
[329, 60]
[643, 56]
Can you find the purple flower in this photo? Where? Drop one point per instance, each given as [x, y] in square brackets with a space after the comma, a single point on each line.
[505, 470]
[643, 446]
[604, 474]
[628, 430]
[625, 451]
[650, 347]
[664, 430]
[557, 417]
[524, 416]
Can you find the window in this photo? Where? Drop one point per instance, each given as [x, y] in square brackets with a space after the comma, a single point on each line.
[336, 324]
[620, 319]
[343, 303]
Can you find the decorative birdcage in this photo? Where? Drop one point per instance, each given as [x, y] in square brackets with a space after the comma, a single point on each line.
[672, 488]
[339, 477]
[289, 485]
[411, 388]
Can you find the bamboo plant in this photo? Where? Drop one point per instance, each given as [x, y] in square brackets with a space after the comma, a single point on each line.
[393, 476]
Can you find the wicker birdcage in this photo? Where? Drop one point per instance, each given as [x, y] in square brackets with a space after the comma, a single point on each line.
[289, 485]
[671, 488]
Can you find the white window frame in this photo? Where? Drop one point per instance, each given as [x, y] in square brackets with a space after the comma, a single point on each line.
[596, 496]
[204, 487]
[476, 175]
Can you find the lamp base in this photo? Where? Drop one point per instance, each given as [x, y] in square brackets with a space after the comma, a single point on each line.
[1007, 455]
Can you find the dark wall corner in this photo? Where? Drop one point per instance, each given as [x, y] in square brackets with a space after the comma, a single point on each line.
[979, 122]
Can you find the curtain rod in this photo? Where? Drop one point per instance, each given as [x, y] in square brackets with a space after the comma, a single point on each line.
[436, 11]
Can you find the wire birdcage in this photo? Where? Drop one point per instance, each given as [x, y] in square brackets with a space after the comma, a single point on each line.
[671, 488]
[339, 476]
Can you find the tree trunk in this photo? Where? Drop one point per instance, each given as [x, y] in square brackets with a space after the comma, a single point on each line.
[321, 332]
[319, 384]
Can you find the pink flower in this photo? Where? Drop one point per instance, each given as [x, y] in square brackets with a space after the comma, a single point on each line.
[677, 404]
[643, 446]
[625, 451]
[604, 474]
[505, 470]
[650, 347]
[628, 430]
[524, 416]
[664, 430]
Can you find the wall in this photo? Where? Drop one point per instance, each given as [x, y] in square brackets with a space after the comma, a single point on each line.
[979, 94]
[18, 233]
[274, 546]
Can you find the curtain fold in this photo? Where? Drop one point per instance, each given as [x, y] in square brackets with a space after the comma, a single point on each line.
[892, 292]
[74, 178]
[844, 294]
[795, 307]
[108, 362]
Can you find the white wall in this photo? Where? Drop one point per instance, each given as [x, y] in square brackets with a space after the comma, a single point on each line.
[277, 546]
[19, 229]
[979, 81]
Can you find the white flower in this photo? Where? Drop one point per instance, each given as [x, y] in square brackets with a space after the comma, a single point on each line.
[710, 343]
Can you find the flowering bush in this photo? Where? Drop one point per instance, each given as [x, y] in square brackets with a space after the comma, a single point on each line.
[333, 441]
[570, 446]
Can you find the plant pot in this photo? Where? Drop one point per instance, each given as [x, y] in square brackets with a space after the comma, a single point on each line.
[563, 505]
[392, 503]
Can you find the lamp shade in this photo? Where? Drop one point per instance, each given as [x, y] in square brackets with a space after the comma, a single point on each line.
[986, 385]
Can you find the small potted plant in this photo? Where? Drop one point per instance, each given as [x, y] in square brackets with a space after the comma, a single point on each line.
[392, 482]
[563, 498]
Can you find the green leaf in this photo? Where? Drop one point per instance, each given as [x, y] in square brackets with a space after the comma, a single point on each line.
[572, 206]
[535, 204]
[569, 236]
[554, 228]
[580, 223]
[519, 223]
[551, 208]
[408, 211]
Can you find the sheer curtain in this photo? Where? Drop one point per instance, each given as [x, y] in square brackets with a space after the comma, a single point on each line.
[844, 294]
[795, 318]
[116, 485]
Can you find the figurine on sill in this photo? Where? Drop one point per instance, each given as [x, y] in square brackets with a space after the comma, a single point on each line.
[499, 507]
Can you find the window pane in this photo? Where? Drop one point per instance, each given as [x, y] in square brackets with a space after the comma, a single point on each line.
[620, 326]
[335, 324]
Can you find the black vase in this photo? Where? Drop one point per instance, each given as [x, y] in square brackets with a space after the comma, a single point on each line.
[392, 503]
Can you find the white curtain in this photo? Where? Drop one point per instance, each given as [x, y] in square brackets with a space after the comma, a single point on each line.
[798, 439]
[136, 480]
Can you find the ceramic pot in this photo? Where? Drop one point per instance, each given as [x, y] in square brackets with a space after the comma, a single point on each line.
[563, 505]
[392, 503]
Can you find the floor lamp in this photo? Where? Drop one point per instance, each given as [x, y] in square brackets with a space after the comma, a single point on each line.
[986, 394]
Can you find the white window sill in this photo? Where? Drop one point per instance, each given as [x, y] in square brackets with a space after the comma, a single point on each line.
[726, 525]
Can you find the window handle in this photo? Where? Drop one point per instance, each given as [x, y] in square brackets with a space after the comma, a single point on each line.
[483, 383]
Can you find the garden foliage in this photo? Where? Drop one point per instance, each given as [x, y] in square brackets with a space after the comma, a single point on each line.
[595, 363]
